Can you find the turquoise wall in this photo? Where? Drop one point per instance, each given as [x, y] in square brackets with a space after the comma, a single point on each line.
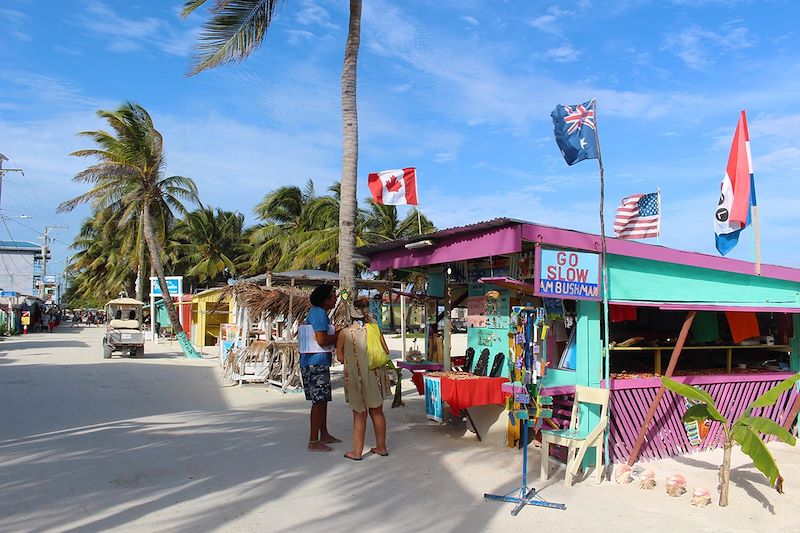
[632, 278]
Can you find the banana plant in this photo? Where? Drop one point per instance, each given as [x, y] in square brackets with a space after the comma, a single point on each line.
[745, 430]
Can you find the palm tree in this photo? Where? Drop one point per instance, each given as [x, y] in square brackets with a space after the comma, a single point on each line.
[128, 179]
[210, 244]
[234, 30]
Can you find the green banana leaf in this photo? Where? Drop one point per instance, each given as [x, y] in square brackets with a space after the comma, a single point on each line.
[769, 427]
[772, 395]
[698, 411]
[697, 395]
[755, 448]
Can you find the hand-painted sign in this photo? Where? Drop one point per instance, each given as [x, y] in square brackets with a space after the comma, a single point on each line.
[433, 398]
[568, 274]
[26, 318]
[174, 286]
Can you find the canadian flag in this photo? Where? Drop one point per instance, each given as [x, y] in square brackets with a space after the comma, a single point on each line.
[394, 187]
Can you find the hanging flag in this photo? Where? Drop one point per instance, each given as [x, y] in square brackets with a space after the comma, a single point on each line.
[394, 187]
[639, 216]
[574, 127]
[737, 192]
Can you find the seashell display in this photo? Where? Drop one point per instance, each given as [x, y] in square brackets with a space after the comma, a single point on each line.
[647, 480]
[701, 497]
[622, 474]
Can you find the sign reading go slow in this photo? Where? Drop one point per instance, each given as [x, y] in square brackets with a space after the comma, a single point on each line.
[567, 274]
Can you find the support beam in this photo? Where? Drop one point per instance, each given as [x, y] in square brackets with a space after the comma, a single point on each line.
[673, 361]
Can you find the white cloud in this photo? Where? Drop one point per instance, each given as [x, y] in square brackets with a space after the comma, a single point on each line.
[699, 47]
[312, 14]
[563, 54]
[472, 21]
[131, 35]
[298, 36]
[546, 23]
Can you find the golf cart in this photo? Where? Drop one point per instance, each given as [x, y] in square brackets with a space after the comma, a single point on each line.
[123, 333]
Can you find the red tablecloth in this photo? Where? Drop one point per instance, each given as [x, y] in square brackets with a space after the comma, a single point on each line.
[462, 394]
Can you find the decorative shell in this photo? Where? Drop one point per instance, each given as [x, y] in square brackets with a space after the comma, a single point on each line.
[647, 480]
[701, 497]
[622, 474]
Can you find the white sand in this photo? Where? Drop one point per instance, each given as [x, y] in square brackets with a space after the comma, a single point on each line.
[159, 445]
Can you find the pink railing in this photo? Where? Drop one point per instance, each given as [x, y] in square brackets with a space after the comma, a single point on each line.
[667, 436]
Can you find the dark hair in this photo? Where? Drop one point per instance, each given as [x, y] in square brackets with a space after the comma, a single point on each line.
[320, 294]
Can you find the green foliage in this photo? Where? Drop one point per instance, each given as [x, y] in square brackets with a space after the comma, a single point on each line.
[754, 447]
[234, 30]
[694, 394]
[771, 396]
[746, 430]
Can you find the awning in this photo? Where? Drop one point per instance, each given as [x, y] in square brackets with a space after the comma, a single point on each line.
[511, 284]
[783, 307]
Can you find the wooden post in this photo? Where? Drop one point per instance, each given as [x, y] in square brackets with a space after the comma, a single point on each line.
[729, 360]
[402, 316]
[658, 362]
[448, 330]
[673, 361]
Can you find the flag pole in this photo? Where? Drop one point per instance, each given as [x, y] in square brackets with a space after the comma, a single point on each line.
[754, 209]
[419, 219]
[660, 214]
[604, 263]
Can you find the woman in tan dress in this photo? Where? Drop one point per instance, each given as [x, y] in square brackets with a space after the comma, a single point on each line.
[364, 389]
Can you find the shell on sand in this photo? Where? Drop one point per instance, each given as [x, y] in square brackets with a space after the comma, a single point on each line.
[701, 497]
[622, 474]
[647, 480]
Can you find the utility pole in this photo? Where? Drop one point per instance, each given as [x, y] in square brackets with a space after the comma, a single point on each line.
[4, 170]
[45, 242]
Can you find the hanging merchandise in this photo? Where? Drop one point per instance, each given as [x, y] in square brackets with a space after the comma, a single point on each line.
[526, 407]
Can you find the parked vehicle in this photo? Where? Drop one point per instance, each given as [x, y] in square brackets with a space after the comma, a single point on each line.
[123, 332]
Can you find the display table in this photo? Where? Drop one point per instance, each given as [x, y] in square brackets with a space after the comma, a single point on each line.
[461, 394]
[418, 370]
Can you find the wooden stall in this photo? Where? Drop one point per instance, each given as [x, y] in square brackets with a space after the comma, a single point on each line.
[652, 291]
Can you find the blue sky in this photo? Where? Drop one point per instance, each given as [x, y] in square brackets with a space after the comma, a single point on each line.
[461, 89]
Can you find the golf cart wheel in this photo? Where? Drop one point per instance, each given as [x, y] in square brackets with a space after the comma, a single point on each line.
[140, 351]
[107, 351]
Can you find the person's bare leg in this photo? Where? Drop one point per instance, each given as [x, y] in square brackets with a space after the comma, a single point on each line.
[317, 415]
[324, 436]
[359, 430]
[379, 424]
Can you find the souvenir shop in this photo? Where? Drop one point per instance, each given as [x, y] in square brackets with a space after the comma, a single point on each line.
[535, 327]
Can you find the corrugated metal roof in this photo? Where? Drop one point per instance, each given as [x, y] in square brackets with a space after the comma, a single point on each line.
[19, 245]
[372, 249]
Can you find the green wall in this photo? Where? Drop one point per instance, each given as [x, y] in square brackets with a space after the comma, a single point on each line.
[631, 278]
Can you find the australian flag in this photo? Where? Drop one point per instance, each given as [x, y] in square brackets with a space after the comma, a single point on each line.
[574, 127]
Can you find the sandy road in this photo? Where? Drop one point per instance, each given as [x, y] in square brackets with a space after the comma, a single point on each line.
[159, 444]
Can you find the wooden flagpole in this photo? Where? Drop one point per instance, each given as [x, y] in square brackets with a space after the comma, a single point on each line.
[419, 219]
[604, 263]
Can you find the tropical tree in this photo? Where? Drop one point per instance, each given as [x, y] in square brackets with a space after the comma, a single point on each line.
[234, 30]
[745, 430]
[382, 224]
[128, 178]
[209, 244]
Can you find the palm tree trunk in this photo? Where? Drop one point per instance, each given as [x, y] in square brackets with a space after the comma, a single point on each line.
[155, 262]
[348, 205]
[140, 244]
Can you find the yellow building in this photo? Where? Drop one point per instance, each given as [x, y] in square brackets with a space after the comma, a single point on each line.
[209, 310]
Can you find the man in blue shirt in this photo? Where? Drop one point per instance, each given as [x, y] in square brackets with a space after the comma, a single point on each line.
[317, 340]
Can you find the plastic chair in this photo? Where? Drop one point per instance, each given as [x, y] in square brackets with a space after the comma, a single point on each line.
[576, 439]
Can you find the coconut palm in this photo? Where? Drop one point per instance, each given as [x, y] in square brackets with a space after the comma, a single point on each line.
[210, 245]
[128, 179]
[234, 30]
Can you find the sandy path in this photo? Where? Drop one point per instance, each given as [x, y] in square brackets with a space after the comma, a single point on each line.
[159, 445]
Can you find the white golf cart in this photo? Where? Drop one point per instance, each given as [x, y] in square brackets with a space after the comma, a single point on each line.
[123, 332]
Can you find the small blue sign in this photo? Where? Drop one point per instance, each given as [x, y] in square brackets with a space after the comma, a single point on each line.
[8, 293]
[433, 398]
[174, 286]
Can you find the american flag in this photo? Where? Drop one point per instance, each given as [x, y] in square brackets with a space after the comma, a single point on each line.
[639, 216]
